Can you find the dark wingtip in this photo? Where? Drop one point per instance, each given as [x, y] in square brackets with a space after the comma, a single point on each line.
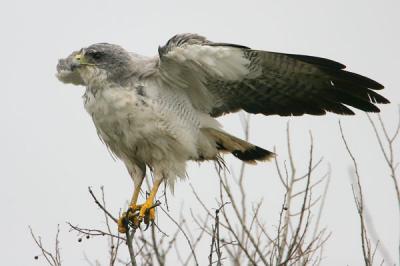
[254, 154]
[353, 78]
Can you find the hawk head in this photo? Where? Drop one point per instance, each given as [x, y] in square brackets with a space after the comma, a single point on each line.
[96, 64]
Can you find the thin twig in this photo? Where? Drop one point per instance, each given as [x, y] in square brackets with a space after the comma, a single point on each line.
[183, 232]
[93, 232]
[52, 259]
[101, 206]
[358, 198]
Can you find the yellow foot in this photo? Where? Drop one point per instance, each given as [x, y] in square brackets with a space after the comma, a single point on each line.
[129, 217]
[135, 207]
[147, 213]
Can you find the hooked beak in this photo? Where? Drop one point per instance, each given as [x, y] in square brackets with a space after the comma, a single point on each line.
[66, 69]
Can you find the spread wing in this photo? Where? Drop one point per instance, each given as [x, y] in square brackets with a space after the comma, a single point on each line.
[221, 78]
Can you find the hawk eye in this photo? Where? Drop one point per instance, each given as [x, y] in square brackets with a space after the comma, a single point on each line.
[96, 55]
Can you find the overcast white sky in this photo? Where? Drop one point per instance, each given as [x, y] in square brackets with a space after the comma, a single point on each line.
[50, 153]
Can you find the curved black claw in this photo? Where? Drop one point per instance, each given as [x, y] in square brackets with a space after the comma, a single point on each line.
[147, 226]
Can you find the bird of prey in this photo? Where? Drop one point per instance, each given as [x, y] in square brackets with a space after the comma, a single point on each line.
[159, 112]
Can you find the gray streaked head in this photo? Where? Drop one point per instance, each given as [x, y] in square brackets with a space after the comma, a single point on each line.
[96, 63]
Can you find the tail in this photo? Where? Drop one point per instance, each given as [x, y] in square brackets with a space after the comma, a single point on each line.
[241, 149]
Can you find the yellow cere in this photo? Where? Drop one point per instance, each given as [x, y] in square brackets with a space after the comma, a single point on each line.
[82, 60]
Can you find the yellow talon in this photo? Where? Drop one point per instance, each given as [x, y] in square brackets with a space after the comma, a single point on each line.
[135, 207]
[147, 211]
[151, 217]
[128, 217]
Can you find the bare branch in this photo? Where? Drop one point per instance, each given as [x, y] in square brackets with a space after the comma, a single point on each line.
[101, 206]
[53, 259]
[183, 232]
[129, 237]
[358, 198]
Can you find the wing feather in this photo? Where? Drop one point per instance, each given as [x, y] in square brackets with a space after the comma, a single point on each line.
[221, 78]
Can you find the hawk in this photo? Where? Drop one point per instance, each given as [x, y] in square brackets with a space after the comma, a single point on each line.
[160, 112]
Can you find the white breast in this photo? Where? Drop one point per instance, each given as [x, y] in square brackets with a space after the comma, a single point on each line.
[148, 128]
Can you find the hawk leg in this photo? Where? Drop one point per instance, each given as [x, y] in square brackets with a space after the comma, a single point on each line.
[147, 211]
[135, 197]
[133, 207]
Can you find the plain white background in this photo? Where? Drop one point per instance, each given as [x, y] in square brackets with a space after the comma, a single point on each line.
[50, 154]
